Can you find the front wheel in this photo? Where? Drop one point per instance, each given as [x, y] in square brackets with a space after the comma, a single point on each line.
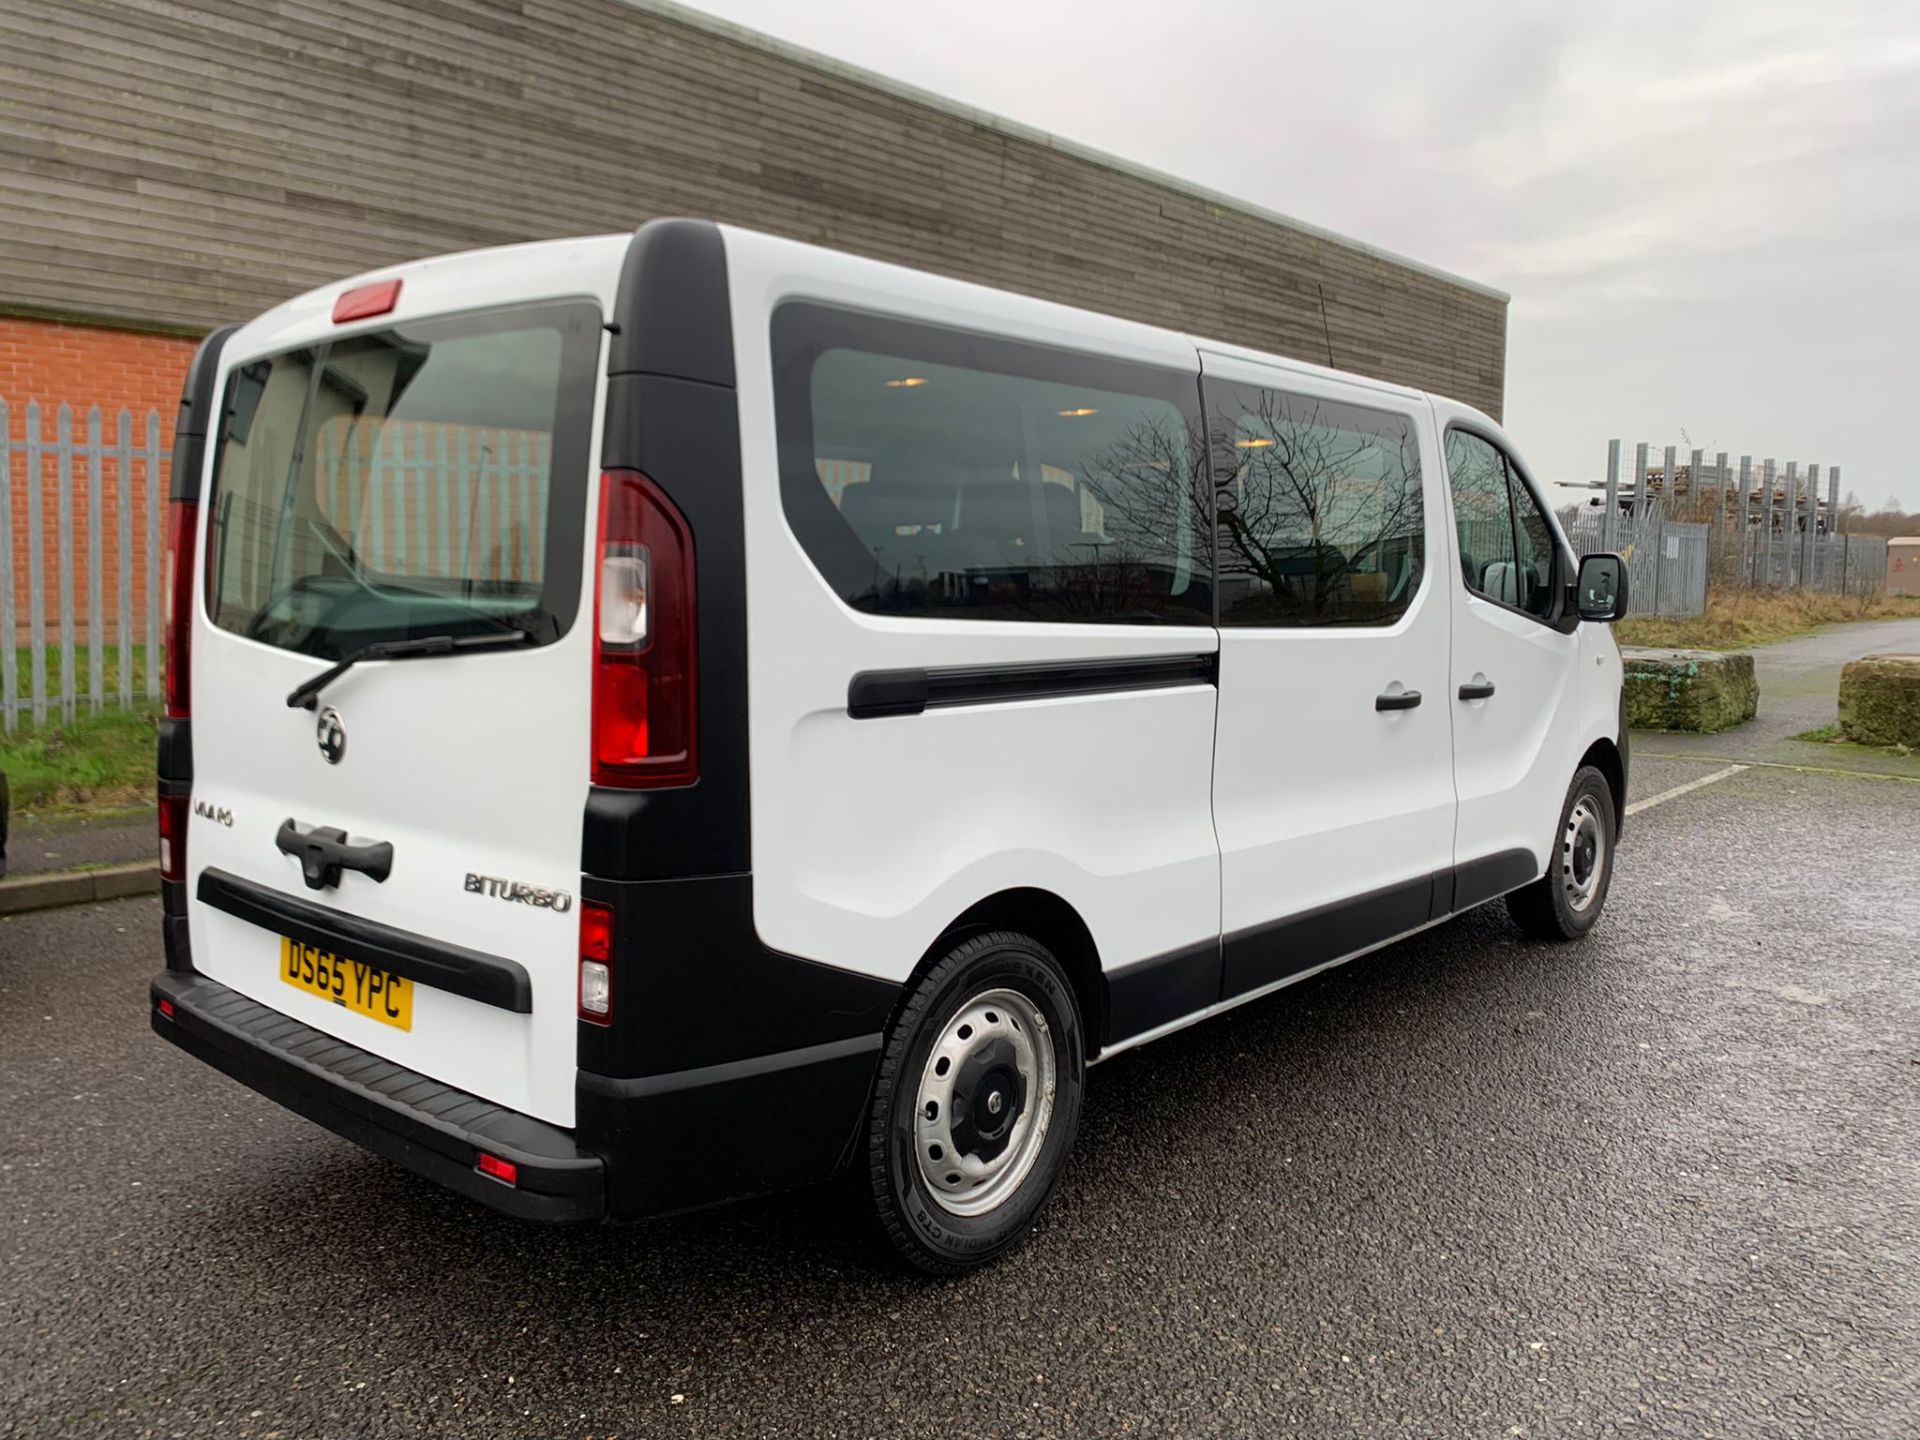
[976, 1104]
[1565, 903]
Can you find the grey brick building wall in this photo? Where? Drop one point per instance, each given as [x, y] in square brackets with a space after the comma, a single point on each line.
[175, 163]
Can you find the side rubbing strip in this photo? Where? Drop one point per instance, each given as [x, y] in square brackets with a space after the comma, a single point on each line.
[873, 694]
[459, 971]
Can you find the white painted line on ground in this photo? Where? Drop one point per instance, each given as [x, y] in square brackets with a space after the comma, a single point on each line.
[1679, 790]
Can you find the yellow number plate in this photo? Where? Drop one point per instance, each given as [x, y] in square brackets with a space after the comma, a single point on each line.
[351, 984]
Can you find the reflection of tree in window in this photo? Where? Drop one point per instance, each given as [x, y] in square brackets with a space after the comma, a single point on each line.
[1320, 513]
[1143, 536]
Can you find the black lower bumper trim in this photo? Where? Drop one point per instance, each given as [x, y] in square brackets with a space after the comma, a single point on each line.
[729, 1131]
[432, 1129]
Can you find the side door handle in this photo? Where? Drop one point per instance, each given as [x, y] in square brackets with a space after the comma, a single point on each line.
[1481, 691]
[1402, 700]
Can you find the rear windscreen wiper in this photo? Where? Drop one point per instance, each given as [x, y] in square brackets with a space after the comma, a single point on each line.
[307, 695]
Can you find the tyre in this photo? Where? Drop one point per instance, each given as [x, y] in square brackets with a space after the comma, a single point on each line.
[1566, 902]
[976, 1104]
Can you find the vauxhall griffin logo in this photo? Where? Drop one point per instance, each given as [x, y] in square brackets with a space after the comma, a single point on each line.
[331, 733]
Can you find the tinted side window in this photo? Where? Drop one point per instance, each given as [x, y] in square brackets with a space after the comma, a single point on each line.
[1506, 545]
[1320, 513]
[1534, 544]
[934, 473]
[1483, 516]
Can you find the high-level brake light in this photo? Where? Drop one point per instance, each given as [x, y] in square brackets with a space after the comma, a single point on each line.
[363, 302]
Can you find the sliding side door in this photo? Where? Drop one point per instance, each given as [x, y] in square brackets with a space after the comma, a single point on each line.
[1333, 770]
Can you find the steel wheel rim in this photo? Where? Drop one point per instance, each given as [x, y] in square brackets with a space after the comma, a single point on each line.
[970, 1157]
[1583, 854]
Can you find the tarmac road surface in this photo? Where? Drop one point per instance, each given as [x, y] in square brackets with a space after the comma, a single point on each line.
[1666, 1182]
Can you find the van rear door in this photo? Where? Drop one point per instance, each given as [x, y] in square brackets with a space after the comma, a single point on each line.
[392, 857]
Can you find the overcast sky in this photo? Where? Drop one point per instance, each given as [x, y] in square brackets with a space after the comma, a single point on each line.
[1707, 211]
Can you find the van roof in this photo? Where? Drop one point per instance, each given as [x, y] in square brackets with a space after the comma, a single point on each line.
[591, 265]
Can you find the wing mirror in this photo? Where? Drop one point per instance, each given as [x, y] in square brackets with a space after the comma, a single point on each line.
[1600, 590]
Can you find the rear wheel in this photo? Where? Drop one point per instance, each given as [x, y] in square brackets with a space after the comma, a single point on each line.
[977, 1103]
[1565, 903]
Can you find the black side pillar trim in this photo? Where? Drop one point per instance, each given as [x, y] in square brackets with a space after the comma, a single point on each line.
[671, 315]
[176, 756]
[672, 415]
[198, 400]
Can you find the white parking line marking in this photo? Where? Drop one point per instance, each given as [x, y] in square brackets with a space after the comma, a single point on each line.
[1679, 790]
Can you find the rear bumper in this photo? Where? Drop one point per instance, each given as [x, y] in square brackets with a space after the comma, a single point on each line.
[432, 1129]
[642, 1147]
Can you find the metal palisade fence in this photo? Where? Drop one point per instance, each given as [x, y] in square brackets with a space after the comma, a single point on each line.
[1687, 523]
[1667, 560]
[80, 516]
[80, 527]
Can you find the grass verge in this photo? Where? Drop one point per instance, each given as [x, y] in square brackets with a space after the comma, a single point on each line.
[141, 673]
[1735, 619]
[1830, 735]
[98, 760]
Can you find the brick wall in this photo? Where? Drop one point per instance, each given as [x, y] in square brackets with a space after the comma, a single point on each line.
[82, 366]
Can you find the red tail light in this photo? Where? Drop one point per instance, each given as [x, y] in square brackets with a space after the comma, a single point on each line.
[173, 838]
[502, 1170]
[644, 655]
[183, 529]
[596, 963]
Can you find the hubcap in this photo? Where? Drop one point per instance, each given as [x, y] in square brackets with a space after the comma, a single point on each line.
[984, 1103]
[1583, 853]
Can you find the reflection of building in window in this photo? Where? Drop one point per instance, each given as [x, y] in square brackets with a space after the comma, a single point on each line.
[1093, 515]
[837, 475]
[423, 500]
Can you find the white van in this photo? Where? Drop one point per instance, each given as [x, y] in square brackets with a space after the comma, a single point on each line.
[669, 717]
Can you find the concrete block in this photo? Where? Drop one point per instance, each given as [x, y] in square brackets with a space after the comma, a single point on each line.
[1880, 700]
[1691, 690]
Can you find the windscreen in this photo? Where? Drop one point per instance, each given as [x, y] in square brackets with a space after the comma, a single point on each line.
[426, 479]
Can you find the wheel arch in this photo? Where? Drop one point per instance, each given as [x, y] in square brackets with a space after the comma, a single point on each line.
[1604, 756]
[1054, 923]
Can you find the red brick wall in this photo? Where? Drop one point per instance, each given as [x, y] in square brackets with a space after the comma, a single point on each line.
[83, 366]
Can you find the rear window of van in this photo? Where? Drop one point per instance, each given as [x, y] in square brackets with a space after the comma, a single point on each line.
[425, 479]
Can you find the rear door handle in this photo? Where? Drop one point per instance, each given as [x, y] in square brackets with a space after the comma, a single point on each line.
[323, 854]
[1481, 691]
[1401, 700]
